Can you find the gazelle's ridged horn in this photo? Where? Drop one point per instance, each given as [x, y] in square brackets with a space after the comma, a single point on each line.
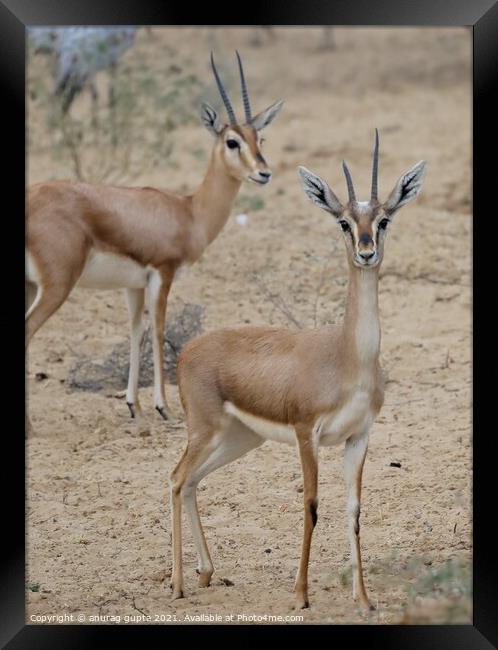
[375, 168]
[223, 93]
[245, 94]
[349, 181]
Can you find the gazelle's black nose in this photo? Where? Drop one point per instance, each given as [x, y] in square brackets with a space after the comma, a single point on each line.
[265, 175]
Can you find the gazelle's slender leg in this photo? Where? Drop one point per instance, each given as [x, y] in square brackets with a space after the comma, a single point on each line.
[135, 298]
[31, 292]
[354, 458]
[205, 566]
[47, 301]
[159, 287]
[308, 453]
[42, 304]
[235, 441]
[194, 454]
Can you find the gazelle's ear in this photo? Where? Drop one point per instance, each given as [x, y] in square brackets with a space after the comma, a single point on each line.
[407, 187]
[211, 120]
[265, 117]
[319, 192]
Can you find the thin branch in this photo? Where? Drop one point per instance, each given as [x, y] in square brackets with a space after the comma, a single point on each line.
[277, 301]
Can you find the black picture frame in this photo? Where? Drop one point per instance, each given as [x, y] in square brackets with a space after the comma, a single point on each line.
[482, 16]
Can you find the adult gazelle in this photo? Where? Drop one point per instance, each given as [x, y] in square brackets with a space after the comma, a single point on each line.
[324, 386]
[107, 237]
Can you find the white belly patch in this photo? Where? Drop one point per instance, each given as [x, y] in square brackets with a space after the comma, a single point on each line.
[329, 429]
[111, 271]
[265, 428]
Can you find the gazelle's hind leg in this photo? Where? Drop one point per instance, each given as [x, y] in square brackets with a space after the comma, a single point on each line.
[43, 305]
[135, 299]
[159, 286]
[233, 442]
[47, 301]
[31, 292]
[236, 441]
[194, 454]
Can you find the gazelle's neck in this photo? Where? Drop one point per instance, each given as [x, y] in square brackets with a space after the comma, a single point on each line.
[361, 319]
[213, 200]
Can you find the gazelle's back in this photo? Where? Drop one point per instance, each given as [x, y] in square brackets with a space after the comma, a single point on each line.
[278, 364]
[143, 223]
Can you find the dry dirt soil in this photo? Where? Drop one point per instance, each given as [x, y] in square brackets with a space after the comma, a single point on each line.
[98, 533]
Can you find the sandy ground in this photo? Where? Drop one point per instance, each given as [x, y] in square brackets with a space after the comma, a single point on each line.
[98, 534]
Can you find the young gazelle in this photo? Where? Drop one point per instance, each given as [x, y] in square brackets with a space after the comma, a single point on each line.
[240, 387]
[107, 237]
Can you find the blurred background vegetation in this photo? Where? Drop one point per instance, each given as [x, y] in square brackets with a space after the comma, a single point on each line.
[126, 111]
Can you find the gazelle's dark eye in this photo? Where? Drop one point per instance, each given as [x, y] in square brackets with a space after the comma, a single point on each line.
[383, 224]
[344, 225]
[232, 144]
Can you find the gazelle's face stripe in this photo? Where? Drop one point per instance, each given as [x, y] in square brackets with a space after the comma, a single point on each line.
[245, 161]
[364, 239]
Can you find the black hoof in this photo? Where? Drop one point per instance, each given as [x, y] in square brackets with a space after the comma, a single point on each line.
[161, 412]
[132, 409]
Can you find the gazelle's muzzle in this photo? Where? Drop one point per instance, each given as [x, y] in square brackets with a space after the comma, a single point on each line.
[261, 176]
[366, 250]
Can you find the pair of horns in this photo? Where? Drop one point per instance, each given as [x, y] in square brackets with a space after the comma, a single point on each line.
[375, 170]
[224, 95]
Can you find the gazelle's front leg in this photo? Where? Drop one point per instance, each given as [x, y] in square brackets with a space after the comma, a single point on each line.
[354, 458]
[159, 286]
[135, 299]
[308, 452]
